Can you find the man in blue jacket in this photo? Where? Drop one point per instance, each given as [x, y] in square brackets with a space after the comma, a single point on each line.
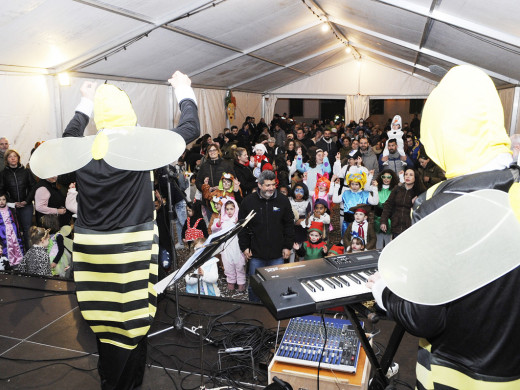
[268, 238]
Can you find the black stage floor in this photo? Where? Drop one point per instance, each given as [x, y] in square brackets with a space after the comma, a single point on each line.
[45, 343]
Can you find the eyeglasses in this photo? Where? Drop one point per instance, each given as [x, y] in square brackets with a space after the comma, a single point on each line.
[386, 176]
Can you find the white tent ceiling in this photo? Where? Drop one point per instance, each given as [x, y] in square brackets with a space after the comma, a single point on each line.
[256, 45]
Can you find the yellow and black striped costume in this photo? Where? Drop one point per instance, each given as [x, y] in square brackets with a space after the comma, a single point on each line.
[115, 272]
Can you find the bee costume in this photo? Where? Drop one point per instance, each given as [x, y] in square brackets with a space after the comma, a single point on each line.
[116, 237]
[456, 285]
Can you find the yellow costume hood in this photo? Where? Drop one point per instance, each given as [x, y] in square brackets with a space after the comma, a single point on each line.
[462, 125]
[112, 108]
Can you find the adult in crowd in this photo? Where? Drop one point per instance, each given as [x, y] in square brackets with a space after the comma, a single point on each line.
[396, 162]
[279, 135]
[368, 155]
[18, 183]
[4, 147]
[268, 238]
[463, 132]
[243, 172]
[413, 148]
[213, 168]
[114, 207]
[398, 205]
[49, 199]
[429, 172]
[327, 144]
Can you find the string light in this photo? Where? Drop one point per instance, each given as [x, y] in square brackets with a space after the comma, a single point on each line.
[326, 27]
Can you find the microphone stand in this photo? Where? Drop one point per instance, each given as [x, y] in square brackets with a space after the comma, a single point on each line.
[178, 320]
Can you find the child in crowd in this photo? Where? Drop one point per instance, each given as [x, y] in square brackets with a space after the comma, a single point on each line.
[357, 245]
[387, 180]
[321, 214]
[71, 202]
[361, 227]
[260, 152]
[59, 256]
[336, 250]
[12, 244]
[396, 133]
[354, 164]
[301, 203]
[352, 194]
[232, 257]
[228, 187]
[283, 189]
[208, 273]
[194, 227]
[322, 190]
[192, 193]
[314, 247]
[36, 261]
[216, 206]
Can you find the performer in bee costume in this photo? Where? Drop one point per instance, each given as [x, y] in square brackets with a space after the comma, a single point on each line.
[116, 237]
[461, 293]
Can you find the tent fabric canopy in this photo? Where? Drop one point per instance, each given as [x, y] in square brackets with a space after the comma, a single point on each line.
[397, 48]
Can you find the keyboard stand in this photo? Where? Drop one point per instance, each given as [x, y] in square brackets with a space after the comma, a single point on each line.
[379, 381]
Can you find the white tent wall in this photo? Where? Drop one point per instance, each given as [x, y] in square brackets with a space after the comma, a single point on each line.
[248, 104]
[212, 114]
[357, 77]
[28, 111]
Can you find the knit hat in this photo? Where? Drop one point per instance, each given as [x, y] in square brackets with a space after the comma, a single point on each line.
[260, 147]
[316, 227]
[336, 250]
[360, 178]
[266, 166]
[364, 208]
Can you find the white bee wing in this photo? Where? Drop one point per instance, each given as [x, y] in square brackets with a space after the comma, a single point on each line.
[61, 155]
[454, 250]
[142, 148]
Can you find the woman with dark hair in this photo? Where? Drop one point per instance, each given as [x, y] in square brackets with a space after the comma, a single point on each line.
[18, 183]
[244, 174]
[301, 203]
[318, 163]
[282, 171]
[213, 168]
[386, 182]
[290, 150]
[398, 205]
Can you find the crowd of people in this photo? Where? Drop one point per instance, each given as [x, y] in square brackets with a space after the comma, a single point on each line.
[327, 170]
